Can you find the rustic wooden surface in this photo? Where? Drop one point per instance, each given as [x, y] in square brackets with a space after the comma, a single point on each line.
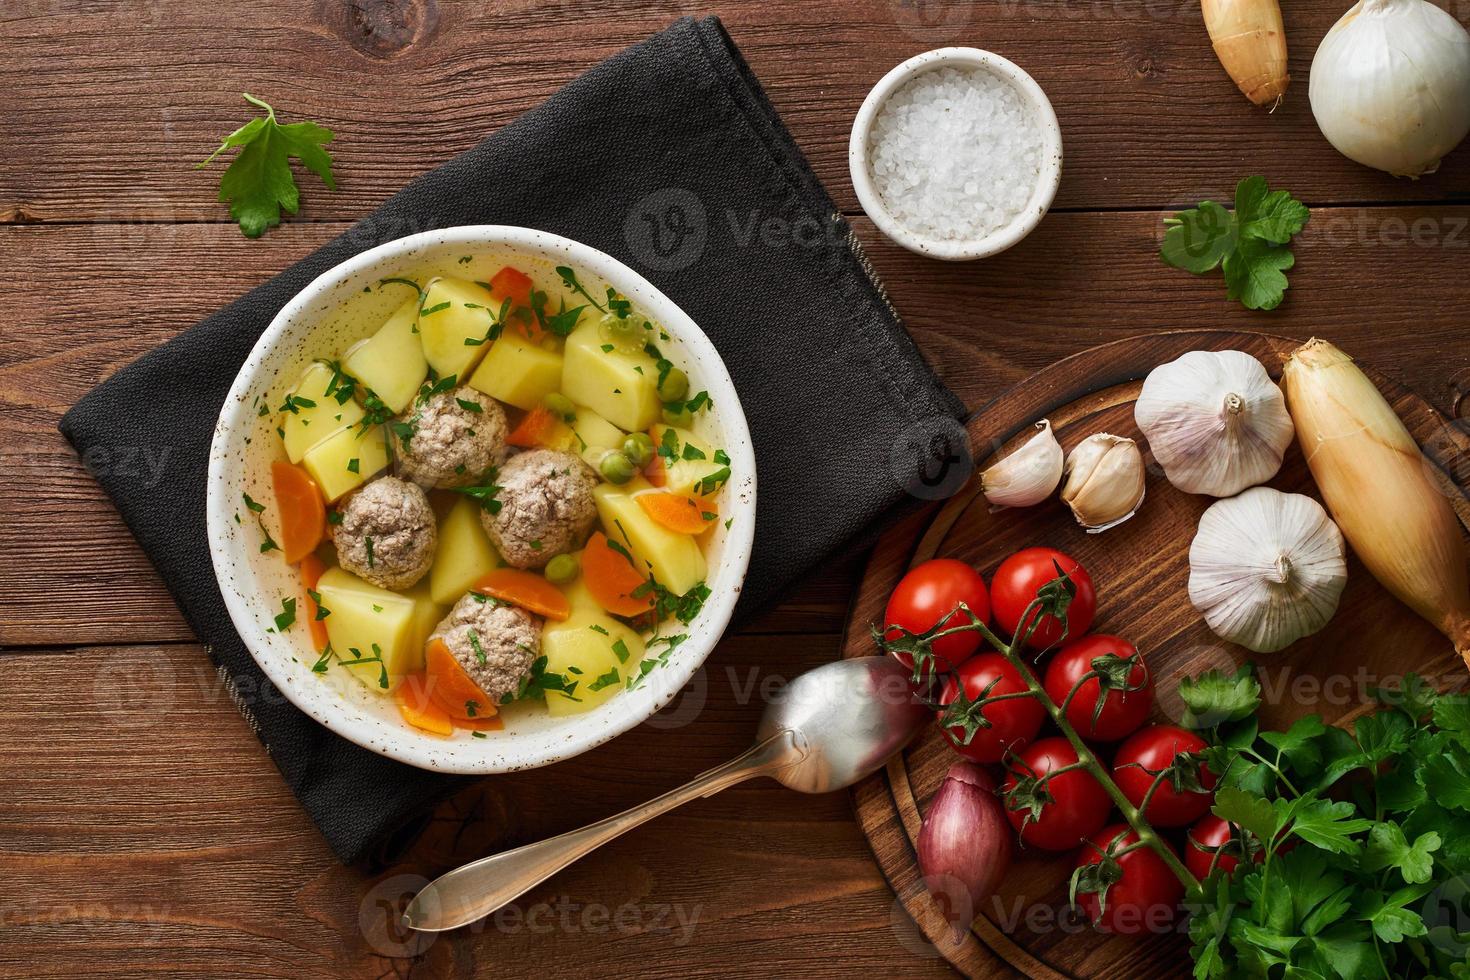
[142, 828]
[1142, 594]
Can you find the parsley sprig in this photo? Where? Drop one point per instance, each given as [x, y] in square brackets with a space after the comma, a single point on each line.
[258, 183]
[1248, 244]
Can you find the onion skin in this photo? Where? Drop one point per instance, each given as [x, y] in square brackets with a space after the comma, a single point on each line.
[1250, 41]
[965, 844]
[1377, 484]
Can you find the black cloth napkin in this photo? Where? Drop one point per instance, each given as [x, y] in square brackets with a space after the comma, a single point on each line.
[669, 157]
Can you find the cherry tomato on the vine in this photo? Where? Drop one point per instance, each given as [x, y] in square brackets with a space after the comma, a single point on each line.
[1185, 794]
[1130, 691]
[1145, 895]
[1021, 576]
[1013, 722]
[930, 593]
[1211, 834]
[1058, 813]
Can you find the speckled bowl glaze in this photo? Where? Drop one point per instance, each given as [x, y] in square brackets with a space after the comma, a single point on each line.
[1048, 176]
[346, 304]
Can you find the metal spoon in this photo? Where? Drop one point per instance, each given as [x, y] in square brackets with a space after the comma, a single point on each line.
[826, 729]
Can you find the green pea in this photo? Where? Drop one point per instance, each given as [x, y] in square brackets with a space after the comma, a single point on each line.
[617, 468]
[624, 334]
[681, 417]
[561, 406]
[562, 569]
[675, 386]
[639, 448]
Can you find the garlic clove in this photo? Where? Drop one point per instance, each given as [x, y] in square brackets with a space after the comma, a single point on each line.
[1215, 420]
[1105, 481]
[1027, 476]
[1266, 568]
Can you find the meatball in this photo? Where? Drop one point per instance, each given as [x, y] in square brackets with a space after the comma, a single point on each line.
[495, 643]
[451, 445]
[546, 507]
[387, 533]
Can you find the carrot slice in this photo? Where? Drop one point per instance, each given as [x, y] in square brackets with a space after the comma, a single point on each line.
[419, 709]
[303, 513]
[535, 429]
[677, 512]
[525, 589]
[511, 284]
[311, 574]
[612, 579]
[655, 472]
[491, 724]
[451, 688]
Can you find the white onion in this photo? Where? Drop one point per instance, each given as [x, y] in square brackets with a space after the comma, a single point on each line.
[1390, 85]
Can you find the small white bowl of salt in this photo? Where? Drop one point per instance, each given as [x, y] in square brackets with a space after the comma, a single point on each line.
[956, 154]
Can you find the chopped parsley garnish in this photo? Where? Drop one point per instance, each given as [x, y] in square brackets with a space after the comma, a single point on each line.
[402, 282]
[255, 508]
[295, 403]
[469, 405]
[340, 385]
[621, 649]
[478, 735]
[471, 708]
[437, 387]
[569, 279]
[368, 542]
[535, 544]
[322, 612]
[596, 628]
[539, 681]
[286, 616]
[480, 657]
[485, 493]
[405, 431]
[334, 517]
[608, 348]
[354, 465]
[436, 308]
[606, 680]
[692, 451]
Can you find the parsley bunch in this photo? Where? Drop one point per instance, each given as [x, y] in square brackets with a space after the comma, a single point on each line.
[1248, 244]
[1363, 838]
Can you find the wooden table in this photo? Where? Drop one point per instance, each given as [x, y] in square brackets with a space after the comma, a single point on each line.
[142, 827]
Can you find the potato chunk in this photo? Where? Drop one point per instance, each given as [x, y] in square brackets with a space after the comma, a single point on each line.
[674, 559]
[391, 362]
[518, 372]
[621, 387]
[464, 554]
[454, 311]
[347, 460]
[314, 415]
[596, 651]
[363, 622]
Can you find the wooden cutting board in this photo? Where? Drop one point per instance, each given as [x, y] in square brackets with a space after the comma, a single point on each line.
[1140, 570]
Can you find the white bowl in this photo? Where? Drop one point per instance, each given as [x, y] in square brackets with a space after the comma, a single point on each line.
[1048, 175]
[343, 305]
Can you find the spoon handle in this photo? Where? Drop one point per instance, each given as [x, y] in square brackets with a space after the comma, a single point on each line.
[476, 889]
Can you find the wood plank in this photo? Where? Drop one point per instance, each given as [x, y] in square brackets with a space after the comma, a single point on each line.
[1148, 116]
[984, 325]
[157, 835]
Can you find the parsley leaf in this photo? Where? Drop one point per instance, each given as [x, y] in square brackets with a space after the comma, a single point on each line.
[1249, 244]
[258, 182]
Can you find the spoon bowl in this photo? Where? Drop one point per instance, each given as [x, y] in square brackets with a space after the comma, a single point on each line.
[824, 730]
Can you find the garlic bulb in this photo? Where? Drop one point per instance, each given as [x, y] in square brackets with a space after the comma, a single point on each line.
[1266, 568]
[1104, 481]
[1027, 476]
[1390, 85]
[1215, 421]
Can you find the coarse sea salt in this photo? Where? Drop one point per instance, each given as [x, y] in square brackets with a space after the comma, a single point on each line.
[955, 154]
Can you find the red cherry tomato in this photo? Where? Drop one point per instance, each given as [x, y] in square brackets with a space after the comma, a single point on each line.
[1122, 710]
[1145, 899]
[1150, 751]
[929, 593]
[1016, 583]
[1078, 806]
[1013, 722]
[1211, 834]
